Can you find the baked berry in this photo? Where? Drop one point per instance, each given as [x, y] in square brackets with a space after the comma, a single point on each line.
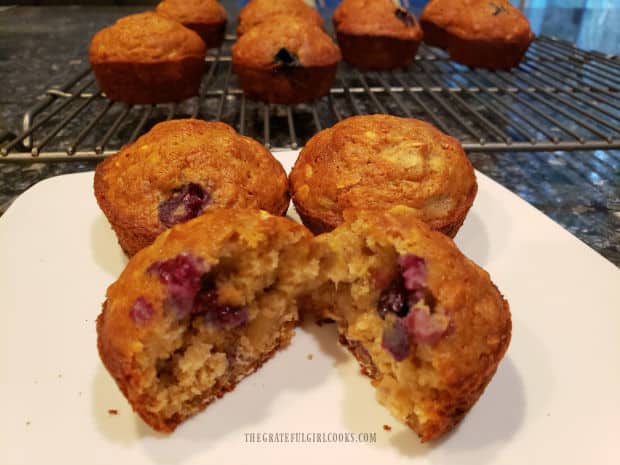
[141, 311]
[185, 203]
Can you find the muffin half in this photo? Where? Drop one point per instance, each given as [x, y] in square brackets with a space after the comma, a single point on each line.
[285, 59]
[376, 34]
[426, 324]
[205, 17]
[146, 58]
[377, 161]
[478, 33]
[200, 309]
[259, 11]
[180, 169]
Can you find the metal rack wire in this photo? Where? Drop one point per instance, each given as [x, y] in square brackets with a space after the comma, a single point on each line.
[559, 98]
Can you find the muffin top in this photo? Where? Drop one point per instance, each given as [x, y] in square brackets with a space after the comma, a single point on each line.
[377, 161]
[192, 11]
[285, 41]
[479, 19]
[258, 11]
[376, 17]
[180, 168]
[145, 37]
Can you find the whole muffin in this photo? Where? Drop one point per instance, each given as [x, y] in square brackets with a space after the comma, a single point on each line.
[376, 34]
[258, 11]
[426, 324]
[146, 58]
[200, 309]
[180, 169]
[285, 60]
[478, 33]
[205, 17]
[377, 161]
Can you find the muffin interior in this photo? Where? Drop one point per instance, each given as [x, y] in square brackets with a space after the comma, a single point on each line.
[242, 310]
[357, 291]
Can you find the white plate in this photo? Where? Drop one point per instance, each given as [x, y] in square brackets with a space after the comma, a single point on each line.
[554, 399]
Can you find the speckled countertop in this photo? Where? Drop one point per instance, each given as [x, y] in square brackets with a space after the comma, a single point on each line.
[43, 46]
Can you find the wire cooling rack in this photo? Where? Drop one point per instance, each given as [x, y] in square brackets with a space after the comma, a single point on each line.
[559, 98]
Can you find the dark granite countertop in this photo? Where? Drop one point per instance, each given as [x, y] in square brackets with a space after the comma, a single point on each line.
[43, 46]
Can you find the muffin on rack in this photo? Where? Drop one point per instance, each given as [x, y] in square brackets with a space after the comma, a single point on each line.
[285, 60]
[426, 324]
[258, 11]
[478, 33]
[377, 161]
[180, 169]
[205, 17]
[376, 34]
[202, 308]
[146, 58]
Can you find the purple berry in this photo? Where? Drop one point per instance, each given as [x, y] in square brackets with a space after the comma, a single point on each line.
[426, 328]
[405, 16]
[393, 299]
[222, 316]
[141, 311]
[413, 270]
[183, 278]
[396, 340]
[185, 203]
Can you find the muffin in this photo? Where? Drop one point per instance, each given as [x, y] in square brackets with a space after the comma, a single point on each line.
[376, 34]
[426, 324]
[200, 309]
[180, 169]
[258, 11]
[146, 58]
[478, 33]
[205, 17]
[374, 162]
[285, 60]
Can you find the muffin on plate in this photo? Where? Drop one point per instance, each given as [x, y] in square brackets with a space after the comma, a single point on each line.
[180, 169]
[205, 17]
[376, 34]
[426, 324]
[374, 162]
[478, 33]
[200, 309]
[146, 58]
[285, 60]
[258, 11]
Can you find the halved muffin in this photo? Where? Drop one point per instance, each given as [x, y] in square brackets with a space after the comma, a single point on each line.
[426, 324]
[200, 309]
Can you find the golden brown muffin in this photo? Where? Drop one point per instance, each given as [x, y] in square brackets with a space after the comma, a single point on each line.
[146, 58]
[478, 33]
[180, 169]
[205, 17]
[258, 11]
[426, 323]
[200, 309]
[376, 34]
[285, 60]
[377, 161]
